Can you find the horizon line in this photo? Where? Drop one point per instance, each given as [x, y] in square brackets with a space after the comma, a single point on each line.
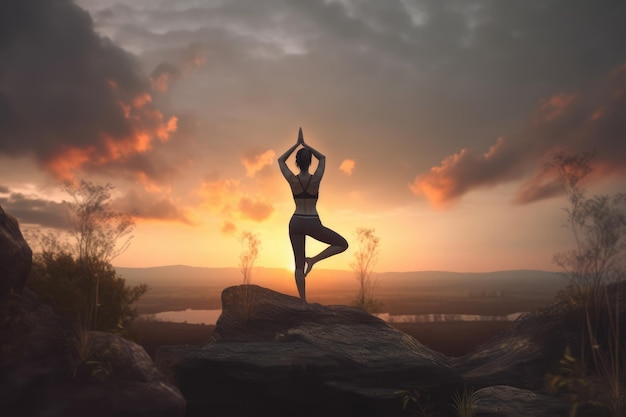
[336, 269]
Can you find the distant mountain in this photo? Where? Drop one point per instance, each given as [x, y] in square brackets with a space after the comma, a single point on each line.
[531, 281]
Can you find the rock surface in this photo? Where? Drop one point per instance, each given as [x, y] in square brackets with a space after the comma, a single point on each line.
[41, 374]
[533, 345]
[269, 356]
[15, 258]
[506, 401]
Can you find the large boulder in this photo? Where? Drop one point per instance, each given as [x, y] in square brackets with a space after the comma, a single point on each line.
[271, 356]
[15, 258]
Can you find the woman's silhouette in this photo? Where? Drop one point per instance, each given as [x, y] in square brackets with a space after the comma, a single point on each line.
[305, 221]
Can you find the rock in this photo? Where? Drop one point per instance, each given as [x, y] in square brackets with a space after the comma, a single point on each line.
[270, 356]
[532, 346]
[131, 385]
[40, 373]
[506, 401]
[15, 258]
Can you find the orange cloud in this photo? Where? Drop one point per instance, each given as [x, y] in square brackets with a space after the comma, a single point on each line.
[218, 193]
[445, 184]
[68, 160]
[591, 120]
[226, 197]
[555, 106]
[145, 123]
[255, 209]
[256, 163]
[228, 228]
[347, 166]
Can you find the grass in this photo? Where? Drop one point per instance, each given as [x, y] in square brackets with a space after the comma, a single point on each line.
[464, 402]
[608, 360]
[151, 334]
[596, 377]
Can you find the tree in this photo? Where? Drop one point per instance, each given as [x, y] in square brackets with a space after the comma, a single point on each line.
[365, 259]
[250, 246]
[77, 278]
[97, 229]
[598, 225]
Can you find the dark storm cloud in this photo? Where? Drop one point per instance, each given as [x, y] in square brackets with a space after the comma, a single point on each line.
[34, 210]
[68, 96]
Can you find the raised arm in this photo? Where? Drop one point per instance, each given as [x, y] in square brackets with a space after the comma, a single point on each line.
[282, 161]
[321, 165]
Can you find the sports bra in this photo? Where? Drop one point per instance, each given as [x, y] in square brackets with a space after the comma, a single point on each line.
[305, 193]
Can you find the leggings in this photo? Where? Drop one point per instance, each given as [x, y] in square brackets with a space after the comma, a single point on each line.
[301, 226]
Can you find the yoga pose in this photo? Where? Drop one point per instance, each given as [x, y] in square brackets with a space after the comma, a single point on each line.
[305, 221]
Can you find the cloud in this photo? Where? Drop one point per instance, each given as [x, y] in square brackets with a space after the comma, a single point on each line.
[228, 198]
[347, 166]
[256, 162]
[151, 207]
[218, 193]
[29, 209]
[591, 120]
[166, 74]
[72, 99]
[228, 228]
[256, 210]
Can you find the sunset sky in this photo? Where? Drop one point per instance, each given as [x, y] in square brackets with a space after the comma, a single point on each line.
[436, 118]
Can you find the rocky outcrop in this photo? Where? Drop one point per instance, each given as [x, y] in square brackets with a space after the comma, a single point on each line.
[49, 368]
[507, 401]
[15, 258]
[534, 344]
[270, 356]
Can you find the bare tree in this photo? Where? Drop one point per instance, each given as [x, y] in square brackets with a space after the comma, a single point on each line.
[598, 225]
[250, 246]
[365, 258]
[97, 229]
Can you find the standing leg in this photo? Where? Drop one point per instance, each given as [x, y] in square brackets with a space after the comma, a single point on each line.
[298, 246]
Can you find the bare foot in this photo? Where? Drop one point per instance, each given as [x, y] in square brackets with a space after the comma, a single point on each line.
[309, 266]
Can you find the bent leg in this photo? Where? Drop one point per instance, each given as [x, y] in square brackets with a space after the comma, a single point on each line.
[336, 242]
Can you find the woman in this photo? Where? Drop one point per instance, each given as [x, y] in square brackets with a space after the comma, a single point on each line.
[305, 221]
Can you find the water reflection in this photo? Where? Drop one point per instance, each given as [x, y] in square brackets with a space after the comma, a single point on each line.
[437, 318]
[186, 316]
[210, 317]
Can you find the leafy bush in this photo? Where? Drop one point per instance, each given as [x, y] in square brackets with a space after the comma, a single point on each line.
[73, 288]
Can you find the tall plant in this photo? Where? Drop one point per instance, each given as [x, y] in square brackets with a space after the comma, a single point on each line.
[598, 226]
[365, 258]
[97, 229]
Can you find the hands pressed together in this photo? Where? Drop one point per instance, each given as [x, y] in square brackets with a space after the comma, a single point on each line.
[300, 140]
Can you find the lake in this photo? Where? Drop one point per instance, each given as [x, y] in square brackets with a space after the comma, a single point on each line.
[210, 317]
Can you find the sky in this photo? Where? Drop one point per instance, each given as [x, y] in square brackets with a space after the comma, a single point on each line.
[437, 119]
